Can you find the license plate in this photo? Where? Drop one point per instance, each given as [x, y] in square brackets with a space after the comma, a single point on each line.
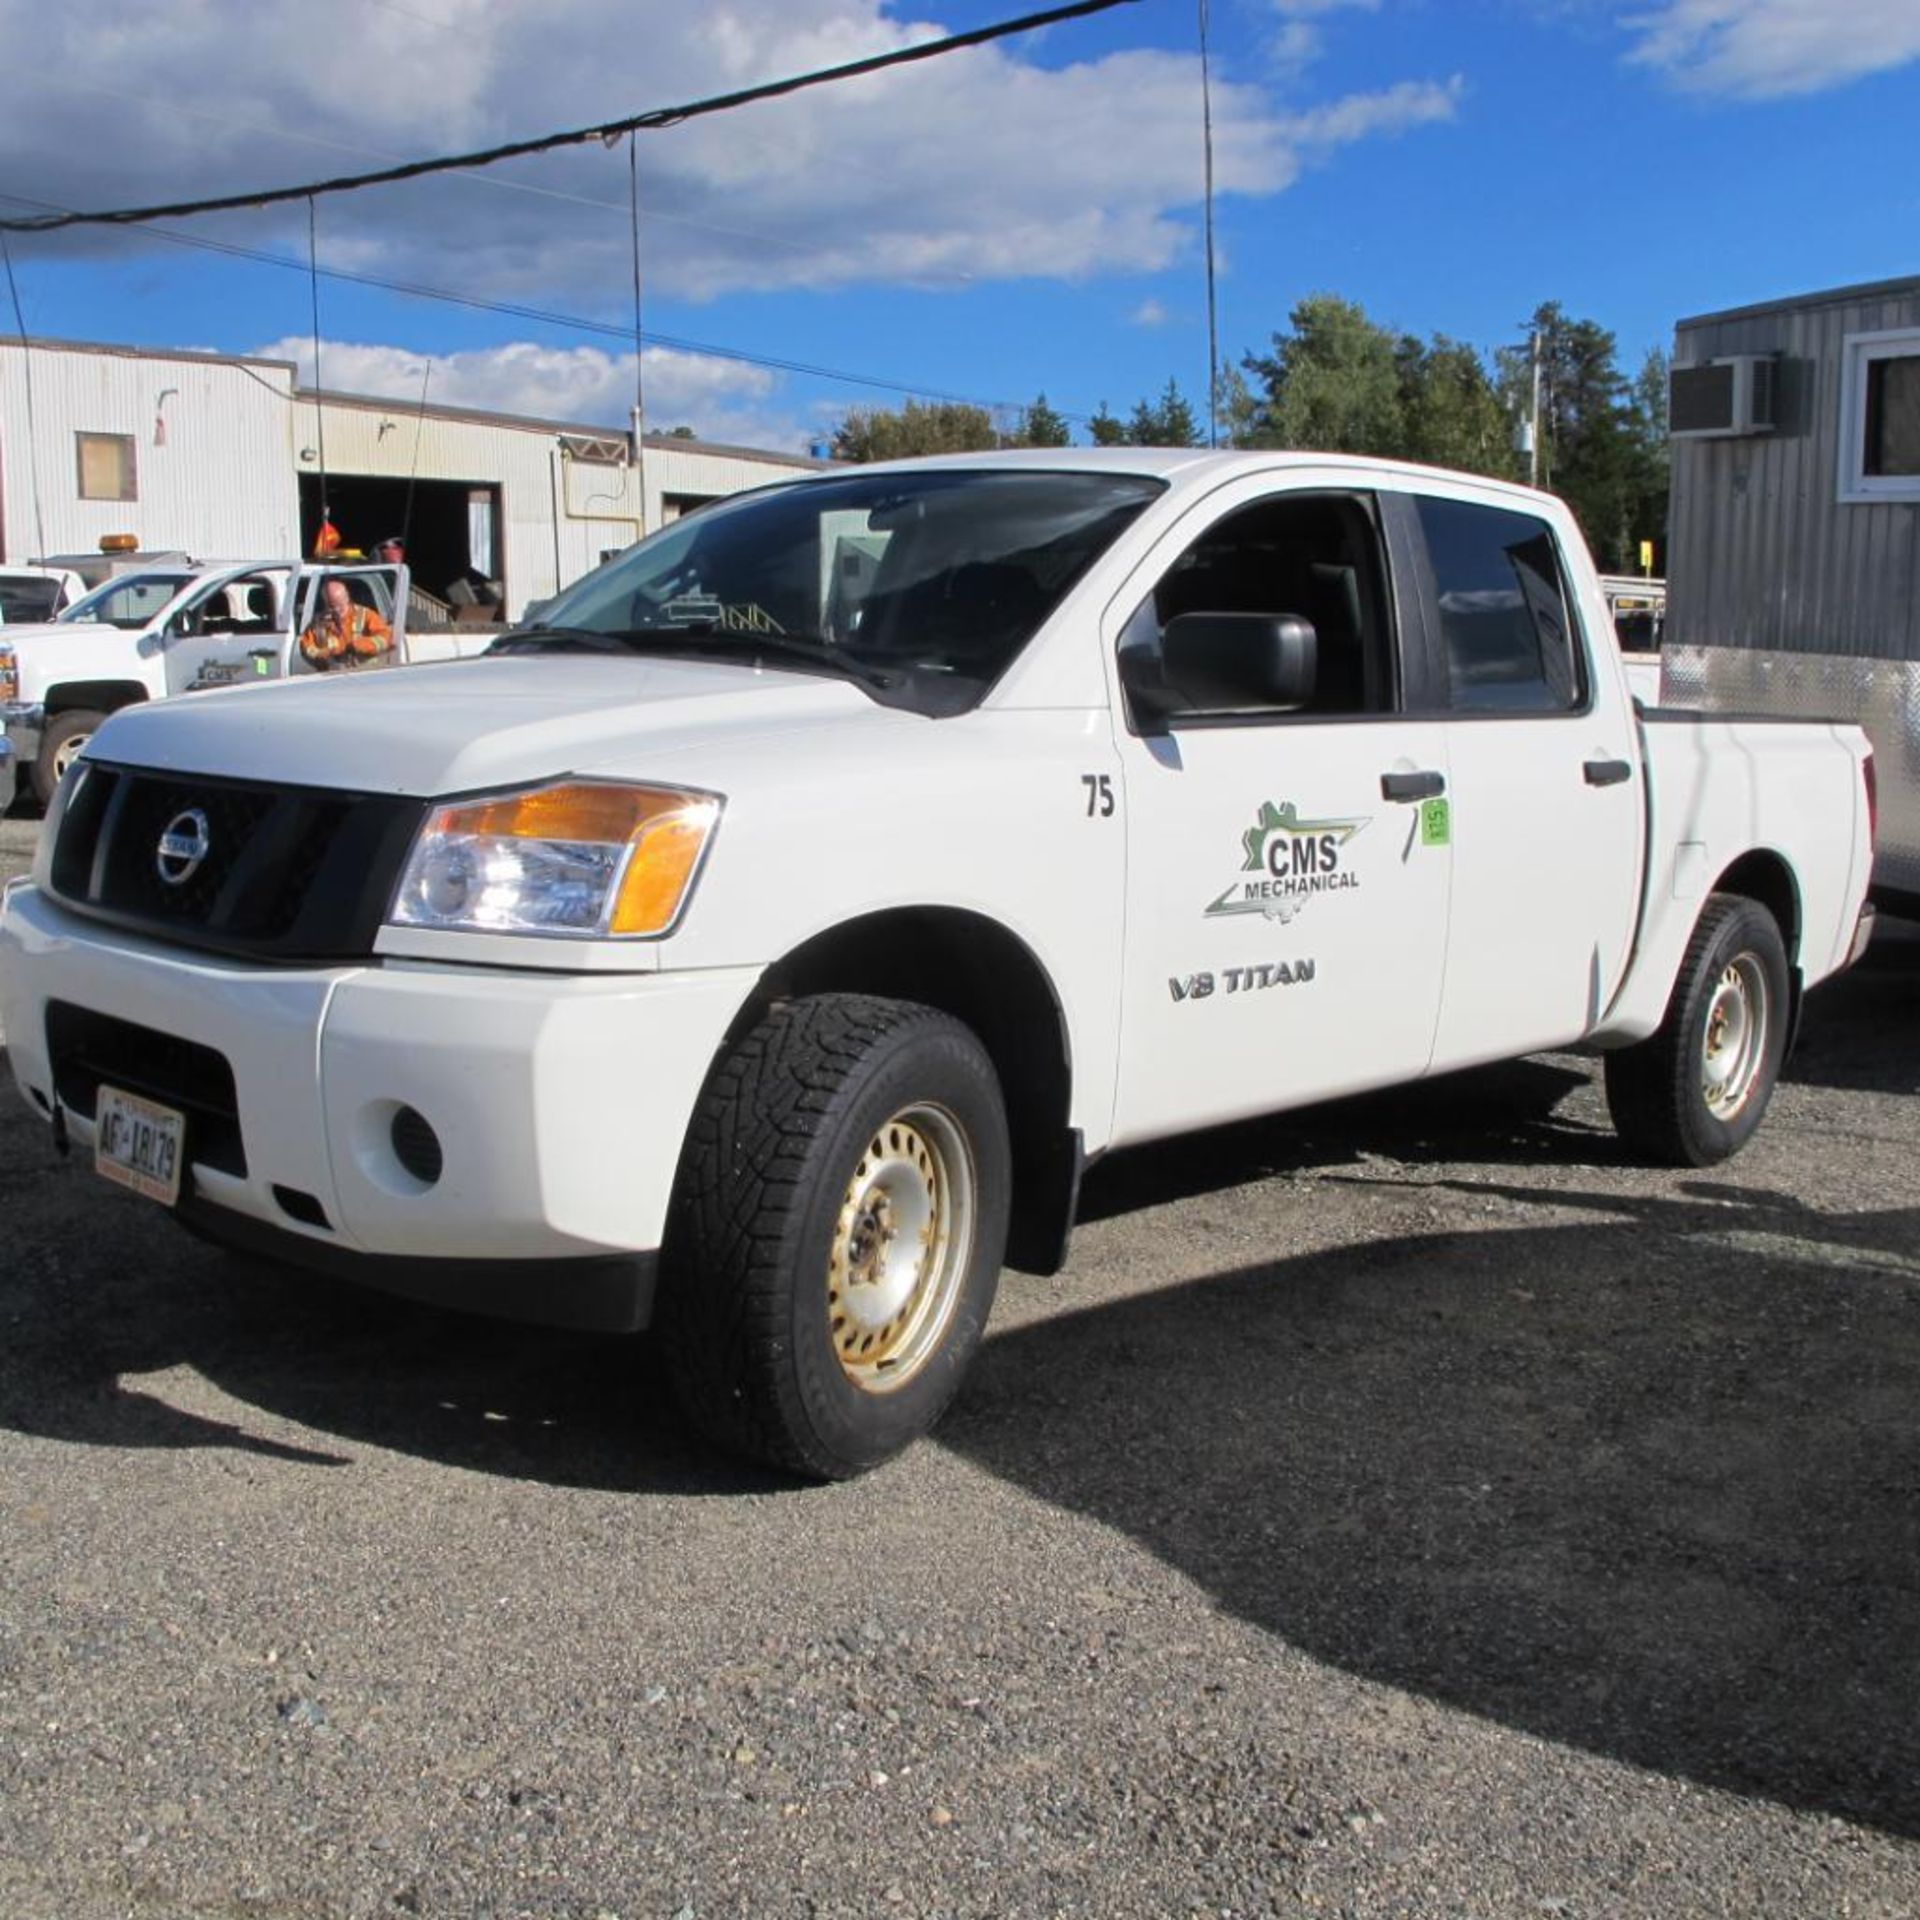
[138, 1143]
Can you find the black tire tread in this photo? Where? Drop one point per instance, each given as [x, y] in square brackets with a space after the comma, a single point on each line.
[56, 731]
[737, 1205]
[1649, 1086]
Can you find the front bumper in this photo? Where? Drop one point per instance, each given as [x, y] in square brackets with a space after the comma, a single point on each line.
[559, 1101]
[21, 726]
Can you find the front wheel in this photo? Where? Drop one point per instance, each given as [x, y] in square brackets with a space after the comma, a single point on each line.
[1692, 1093]
[61, 745]
[837, 1233]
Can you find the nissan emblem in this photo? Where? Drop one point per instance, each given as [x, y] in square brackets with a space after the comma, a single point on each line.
[184, 847]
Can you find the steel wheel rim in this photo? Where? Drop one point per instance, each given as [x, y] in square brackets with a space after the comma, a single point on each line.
[67, 752]
[1735, 1040]
[902, 1244]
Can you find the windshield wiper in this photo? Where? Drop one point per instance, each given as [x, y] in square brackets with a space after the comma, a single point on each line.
[587, 639]
[708, 636]
[699, 636]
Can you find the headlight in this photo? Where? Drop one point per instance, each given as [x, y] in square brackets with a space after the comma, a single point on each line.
[584, 858]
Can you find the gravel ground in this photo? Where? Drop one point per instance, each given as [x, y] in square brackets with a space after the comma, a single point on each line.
[1406, 1509]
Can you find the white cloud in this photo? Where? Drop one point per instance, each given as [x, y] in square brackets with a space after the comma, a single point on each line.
[978, 166]
[1298, 41]
[1149, 313]
[1413, 103]
[1761, 49]
[722, 400]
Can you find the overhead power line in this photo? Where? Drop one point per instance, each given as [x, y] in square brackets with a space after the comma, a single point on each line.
[569, 322]
[606, 130]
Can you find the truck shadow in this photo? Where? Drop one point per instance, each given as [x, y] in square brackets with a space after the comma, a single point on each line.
[1862, 1031]
[1508, 1115]
[100, 1292]
[1639, 1480]
[1642, 1484]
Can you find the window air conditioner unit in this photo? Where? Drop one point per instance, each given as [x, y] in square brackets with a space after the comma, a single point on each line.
[1720, 398]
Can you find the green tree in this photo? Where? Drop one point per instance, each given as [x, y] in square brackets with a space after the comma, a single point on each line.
[1332, 383]
[1167, 422]
[1105, 430]
[1236, 408]
[944, 426]
[1451, 410]
[1653, 453]
[1589, 447]
[1041, 426]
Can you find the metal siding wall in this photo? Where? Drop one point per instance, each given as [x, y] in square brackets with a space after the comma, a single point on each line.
[597, 505]
[1764, 556]
[221, 484]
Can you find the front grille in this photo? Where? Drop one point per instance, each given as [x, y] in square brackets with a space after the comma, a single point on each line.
[288, 873]
[91, 1049]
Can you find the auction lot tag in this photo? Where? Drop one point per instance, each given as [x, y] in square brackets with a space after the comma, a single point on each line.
[137, 1143]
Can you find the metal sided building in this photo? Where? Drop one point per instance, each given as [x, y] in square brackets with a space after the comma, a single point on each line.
[1794, 541]
[501, 501]
[219, 454]
[178, 449]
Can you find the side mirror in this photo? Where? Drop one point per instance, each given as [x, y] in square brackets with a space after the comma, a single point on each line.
[1222, 663]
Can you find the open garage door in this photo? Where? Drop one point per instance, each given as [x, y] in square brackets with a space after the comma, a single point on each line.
[452, 529]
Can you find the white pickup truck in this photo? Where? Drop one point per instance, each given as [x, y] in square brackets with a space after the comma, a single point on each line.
[764, 951]
[166, 628]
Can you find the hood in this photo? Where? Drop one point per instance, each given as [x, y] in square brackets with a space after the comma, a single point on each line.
[11, 631]
[472, 725]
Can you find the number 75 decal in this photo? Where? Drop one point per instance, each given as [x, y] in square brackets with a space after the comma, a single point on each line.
[1099, 788]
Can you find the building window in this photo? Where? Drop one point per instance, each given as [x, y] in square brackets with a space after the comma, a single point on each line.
[1880, 417]
[106, 466]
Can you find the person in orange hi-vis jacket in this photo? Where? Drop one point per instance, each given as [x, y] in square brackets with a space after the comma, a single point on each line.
[346, 634]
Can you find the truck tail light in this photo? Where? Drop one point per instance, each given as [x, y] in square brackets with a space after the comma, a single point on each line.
[1872, 781]
[9, 677]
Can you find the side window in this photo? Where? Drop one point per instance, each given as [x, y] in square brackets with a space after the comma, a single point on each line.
[1505, 620]
[1314, 556]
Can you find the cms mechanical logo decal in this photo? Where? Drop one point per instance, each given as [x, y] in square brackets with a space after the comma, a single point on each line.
[1287, 860]
[184, 846]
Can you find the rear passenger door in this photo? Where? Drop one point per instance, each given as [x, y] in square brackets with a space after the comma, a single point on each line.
[1286, 904]
[1545, 819]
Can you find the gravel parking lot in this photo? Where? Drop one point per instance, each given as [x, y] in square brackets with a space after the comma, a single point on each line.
[1408, 1508]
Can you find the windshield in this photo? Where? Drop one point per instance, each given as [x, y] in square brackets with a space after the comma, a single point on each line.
[922, 586]
[132, 601]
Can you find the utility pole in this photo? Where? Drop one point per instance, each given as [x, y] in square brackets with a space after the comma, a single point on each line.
[1533, 415]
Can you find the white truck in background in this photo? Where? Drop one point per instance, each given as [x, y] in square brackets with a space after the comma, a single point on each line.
[760, 947]
[34, 593]
[173, 625]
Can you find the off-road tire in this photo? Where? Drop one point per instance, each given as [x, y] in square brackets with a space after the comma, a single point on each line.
[789, 1126]
[56, 743]
[1657, 1091]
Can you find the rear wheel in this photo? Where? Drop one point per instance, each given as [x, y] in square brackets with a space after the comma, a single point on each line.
[837, 1234]
[61, 744]
[1692, 1093]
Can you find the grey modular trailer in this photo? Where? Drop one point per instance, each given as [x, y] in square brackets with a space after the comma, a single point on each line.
[1794, 542]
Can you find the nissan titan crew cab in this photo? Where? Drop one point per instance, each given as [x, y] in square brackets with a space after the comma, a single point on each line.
[761, 947]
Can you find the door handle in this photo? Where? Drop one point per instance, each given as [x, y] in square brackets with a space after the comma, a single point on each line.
[1607, 773]
[1412, 786]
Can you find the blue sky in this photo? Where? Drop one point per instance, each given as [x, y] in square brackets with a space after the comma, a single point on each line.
[986, 226]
